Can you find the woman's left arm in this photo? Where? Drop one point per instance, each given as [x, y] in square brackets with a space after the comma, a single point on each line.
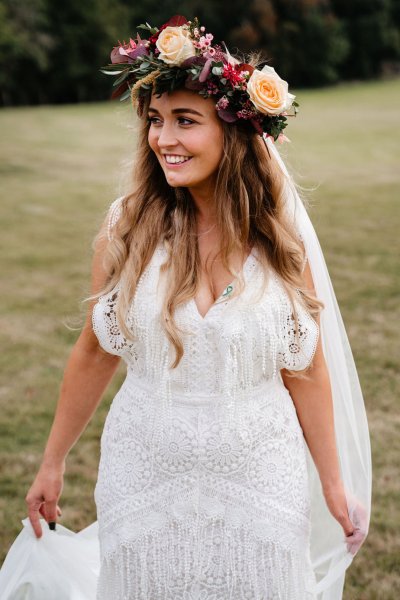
[314, 406]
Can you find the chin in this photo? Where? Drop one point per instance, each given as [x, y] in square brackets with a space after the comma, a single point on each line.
[176, 182]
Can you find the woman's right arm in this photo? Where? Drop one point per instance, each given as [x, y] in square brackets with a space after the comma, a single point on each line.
[88, 371]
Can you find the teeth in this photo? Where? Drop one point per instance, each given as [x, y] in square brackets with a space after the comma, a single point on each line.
[176, 159]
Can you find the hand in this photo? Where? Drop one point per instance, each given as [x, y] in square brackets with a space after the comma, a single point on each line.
[43, 496]
[359, 517]
[350, 513]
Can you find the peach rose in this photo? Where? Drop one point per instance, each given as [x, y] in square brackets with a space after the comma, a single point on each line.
[268, 92]
[175, 45]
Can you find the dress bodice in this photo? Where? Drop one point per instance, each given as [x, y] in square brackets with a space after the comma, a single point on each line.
[242, 341]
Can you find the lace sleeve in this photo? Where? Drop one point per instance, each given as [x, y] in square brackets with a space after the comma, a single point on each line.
[297, 351]
[105, 325]
[114, 212]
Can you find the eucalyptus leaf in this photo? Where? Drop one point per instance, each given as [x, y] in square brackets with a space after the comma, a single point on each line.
[125, 95]
[110, 72]
[122, 78]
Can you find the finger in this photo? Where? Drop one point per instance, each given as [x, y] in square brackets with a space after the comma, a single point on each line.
[33, 515]
[51, 511]
[59, 511]
[346, 523]
[348, 527]
[355, 541]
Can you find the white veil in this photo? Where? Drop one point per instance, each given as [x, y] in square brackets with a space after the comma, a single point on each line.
[329, 552]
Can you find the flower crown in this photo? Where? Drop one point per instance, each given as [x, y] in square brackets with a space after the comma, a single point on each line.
[180, 54]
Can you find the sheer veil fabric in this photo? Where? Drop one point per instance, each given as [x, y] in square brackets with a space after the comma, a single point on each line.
[329, 552]
[67, 563]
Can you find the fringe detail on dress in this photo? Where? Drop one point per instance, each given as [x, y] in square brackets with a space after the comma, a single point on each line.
[176, 564]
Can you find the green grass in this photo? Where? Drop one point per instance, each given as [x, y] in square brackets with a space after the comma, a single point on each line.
[60, 168]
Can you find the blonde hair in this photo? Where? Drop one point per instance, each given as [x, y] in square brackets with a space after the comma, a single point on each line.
[249, 209]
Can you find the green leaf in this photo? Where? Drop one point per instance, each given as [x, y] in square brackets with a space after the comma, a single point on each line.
[110, 72]
[125, 95]
[122, 78]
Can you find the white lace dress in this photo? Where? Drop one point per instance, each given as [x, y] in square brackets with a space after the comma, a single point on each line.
[202, 490]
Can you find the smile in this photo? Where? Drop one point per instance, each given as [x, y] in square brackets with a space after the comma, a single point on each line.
[176, 161]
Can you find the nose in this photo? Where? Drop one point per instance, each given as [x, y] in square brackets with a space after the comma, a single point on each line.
[167, 136]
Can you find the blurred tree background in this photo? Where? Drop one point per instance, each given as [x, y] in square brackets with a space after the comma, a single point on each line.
[51, 52]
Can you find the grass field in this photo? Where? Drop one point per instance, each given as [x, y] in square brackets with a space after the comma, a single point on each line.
[60, 168]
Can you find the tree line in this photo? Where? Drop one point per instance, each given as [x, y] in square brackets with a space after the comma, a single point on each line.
[51, 52]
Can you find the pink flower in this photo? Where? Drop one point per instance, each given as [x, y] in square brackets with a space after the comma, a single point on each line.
[212, 88]
[205, 70]
[129, 52]
[222, 103]
[210, 53]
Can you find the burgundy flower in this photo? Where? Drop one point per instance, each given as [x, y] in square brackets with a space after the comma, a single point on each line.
[244, 67]
[227, 115]
[192, 60]
[176, 21]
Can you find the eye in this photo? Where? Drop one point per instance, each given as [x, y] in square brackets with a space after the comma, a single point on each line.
[181, 120]
[151, 120]
[188, 121]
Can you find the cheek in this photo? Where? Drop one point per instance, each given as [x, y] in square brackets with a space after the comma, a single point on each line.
[212, 148]
[152, 140]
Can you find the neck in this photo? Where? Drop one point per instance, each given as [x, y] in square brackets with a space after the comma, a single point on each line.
[203, 198]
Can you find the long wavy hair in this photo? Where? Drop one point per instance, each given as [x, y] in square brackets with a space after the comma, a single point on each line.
[250, 210]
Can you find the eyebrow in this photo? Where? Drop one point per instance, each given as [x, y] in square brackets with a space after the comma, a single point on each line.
[178, 110]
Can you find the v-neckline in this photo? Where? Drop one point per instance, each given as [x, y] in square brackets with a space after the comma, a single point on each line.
[217, 301]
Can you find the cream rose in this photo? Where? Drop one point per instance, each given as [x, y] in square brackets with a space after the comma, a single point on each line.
[268, 92]
[175, 45]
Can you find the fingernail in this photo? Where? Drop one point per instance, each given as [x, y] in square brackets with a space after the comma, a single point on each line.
[52, 525]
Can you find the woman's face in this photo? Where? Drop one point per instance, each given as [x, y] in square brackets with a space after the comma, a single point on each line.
[186, 135]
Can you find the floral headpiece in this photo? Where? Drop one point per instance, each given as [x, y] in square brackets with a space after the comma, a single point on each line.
[180, 54]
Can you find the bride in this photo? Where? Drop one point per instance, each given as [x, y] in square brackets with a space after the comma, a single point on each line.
[235, 458]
